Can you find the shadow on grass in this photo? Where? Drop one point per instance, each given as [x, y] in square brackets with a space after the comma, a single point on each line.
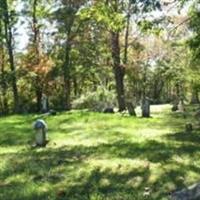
[183, 137]
[39, 169]
[68, 173]
[60, 169]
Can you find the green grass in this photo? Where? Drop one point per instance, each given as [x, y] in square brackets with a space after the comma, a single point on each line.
[95, 156]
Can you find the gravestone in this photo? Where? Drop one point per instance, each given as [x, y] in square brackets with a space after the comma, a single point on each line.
[188, 128]
[175, 104]
[174, 107]
[190, 193]
[44, 103]
[52, 112]
[108, 110]
[40, 128]
[181, 107]
[145, 107]
[131, 109]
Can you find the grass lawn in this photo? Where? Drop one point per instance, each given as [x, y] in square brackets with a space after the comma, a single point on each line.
[96, 156]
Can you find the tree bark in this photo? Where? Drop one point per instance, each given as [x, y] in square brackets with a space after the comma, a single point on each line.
[9, 39]
[36, 37]
[127, 35]
[119, 70]
[3, 83]
[157, 90]
[195, 96]
[38, 92]
[75, 86]
[4, 102]
[36, 47]
[66, 77]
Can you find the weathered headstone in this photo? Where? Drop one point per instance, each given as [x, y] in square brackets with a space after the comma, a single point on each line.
[108, 110]
[145, 107]
[190, 193]
[131, 108]
[40, 128]
[175, 107]
[195, 97]
[44, 103]
[52, 112]
[181, 107]
[188, 128]
[175, 104]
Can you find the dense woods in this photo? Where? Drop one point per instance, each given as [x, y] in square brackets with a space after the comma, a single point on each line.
[97, 54]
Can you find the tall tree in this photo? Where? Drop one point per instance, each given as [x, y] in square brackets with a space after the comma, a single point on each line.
[111, 15]
[36, 51]
[3, 84]
[35, 61]
[118, 68]
[68, 27]
[8, 26]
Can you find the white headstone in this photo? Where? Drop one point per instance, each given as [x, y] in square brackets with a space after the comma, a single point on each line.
[40, 128]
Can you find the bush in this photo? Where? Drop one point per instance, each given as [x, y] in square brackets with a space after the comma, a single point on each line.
[96, 101]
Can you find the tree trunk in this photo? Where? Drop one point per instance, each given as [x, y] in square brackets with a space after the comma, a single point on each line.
[9, 39]
[39, 100]
[195, 97]
[131, 109]
[75, 86]
[176, 97]
[4, 101]
[119, 70]
[38, 93]
[66, 77]
[127, 35]
[36, 35]
[3, 85]
[157, 90]
[36, 46]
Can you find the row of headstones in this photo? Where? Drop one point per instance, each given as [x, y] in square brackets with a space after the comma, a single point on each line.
[40, 125]
[145, 107]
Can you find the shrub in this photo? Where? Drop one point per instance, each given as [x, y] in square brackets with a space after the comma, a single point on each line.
[96, 100]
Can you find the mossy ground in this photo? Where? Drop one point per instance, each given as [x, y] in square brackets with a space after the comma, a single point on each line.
[96, 156]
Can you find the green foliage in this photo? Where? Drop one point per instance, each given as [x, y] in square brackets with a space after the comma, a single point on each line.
[194, 42]
[147, 26]
[104, 14]
[74, 41]
[98, 100]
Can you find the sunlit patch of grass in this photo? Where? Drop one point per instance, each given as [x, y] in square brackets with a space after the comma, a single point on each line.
[96, 156]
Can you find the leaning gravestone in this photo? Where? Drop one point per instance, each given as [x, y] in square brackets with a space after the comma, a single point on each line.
[40, 128]
[131, 108]
[175, 104]
[145, 107]
[44, 103]
[188, 128]
[108, 110]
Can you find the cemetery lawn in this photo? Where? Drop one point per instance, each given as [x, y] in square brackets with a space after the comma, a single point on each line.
[96, 156]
